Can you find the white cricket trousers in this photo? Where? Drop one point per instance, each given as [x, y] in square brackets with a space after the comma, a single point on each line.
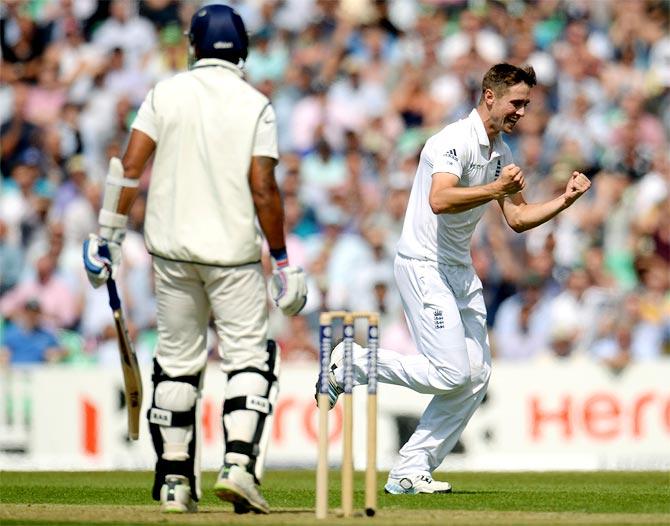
[445, 311]
[186, 294]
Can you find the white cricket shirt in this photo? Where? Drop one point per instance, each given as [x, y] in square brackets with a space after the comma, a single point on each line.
[462, 149]
[207, 124]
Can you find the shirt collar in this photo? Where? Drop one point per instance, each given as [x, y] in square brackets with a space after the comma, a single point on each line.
[479, 128]
[217, 62]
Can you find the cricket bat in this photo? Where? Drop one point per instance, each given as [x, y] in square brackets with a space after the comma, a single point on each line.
[132, 380]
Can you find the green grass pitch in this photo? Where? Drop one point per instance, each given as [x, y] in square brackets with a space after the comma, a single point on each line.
[123, 498]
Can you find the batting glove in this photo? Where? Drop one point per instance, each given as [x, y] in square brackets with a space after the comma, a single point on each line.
[287, 286]
[100, 268]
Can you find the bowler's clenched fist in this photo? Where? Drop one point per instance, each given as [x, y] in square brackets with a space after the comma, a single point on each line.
[511, 179]
[577, 185]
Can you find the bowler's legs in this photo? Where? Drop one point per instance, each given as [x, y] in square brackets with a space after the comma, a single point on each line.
[438, 430]
[454, 364]
[432, 314]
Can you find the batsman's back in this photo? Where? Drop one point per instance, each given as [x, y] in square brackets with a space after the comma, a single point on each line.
[200, 207]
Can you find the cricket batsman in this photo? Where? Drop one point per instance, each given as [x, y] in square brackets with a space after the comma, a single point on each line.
[214, 141]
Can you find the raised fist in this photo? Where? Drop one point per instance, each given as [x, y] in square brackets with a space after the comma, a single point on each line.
[511, 179]
[577, 185]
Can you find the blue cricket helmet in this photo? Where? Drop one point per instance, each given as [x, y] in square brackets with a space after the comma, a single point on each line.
[217, 31]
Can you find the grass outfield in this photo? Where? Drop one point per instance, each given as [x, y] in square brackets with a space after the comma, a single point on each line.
[123, 498]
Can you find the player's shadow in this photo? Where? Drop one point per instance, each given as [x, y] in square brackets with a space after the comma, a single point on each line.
[273, 511]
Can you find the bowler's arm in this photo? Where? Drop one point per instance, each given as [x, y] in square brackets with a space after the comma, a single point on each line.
[522, 216]
[448, 198]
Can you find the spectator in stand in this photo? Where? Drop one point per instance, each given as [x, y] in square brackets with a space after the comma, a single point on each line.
[161, 13]
[27, 340]
[651, 192]
[355, 98]
[78, 61]
[72, 188]
[22, 40]
[11, 261]
[639, 134]
[578, 306]
[126, 30]
[562, 343]
[47, 97]
[413, 102]
[22, 198]
[268, 59]
[17, 134]
[473, 36]
[320, 171]
[653, 328]
[571, 124]
[59, 306]
[391, 214]
[125, 81]
[309, 116]
[172, 56]
[614, 350]
[522, 325]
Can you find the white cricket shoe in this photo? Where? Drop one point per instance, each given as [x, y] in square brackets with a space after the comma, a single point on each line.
[236, 485]
[416, 484]
[176, 495]
[334, 390]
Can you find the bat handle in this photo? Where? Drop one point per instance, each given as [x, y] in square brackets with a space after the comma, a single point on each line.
[114, 301]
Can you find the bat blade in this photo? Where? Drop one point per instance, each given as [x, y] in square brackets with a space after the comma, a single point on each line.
[132, 380]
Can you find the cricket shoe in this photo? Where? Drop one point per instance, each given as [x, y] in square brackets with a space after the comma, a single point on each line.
[334, 390]
[176, 495]
[416, 484]
[237, 486]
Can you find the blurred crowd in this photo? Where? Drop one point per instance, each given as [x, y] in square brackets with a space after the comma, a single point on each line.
[358, 85]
